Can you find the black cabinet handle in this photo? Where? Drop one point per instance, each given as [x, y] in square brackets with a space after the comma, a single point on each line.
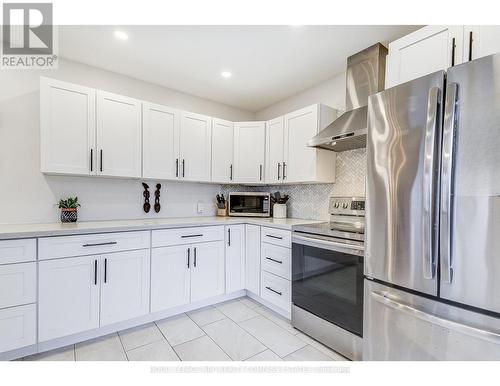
[177, 167]
[276, 292]
[284, 170]
[260, 172]
[231, 172]
[189, 255]
[95, 272]
[183, 168]
[195, 257]
[229, 236]
[91, 159]
[276, 261]
[187, 236]
[275, 237]
[100, 244]
[105, 270]
[452, 52]
[279, 170]
[470, 46]
[101, 161]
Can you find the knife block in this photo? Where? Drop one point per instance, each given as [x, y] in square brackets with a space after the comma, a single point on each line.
[222, 212]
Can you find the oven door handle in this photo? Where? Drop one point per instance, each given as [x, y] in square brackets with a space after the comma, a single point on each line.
[330, 245]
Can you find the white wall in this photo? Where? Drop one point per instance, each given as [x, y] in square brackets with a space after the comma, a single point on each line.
[330, 92]
[28, 196]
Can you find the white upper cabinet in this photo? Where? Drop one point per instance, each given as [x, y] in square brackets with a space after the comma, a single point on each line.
[302, 163]
[160, 141]
[195, 144]
[275, 137]
[481, 41]
[222, 150]
[422, 52]
[118, 135]
[67, 128]
[249, 151]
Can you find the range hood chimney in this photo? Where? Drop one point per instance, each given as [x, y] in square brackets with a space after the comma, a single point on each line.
[365, 76]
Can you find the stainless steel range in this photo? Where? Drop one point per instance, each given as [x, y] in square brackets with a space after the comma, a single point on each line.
[327, 277]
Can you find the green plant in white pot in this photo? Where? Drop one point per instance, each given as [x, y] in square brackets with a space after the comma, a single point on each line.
[69, 209]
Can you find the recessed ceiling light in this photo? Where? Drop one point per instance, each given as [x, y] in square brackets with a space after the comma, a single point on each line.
[226, 74]
[121, 35]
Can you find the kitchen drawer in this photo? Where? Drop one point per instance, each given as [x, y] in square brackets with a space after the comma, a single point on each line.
[276, 290]
[179, 236]
[17, 327]
[276, 237]
[17, 251]
[17, 284]
[95, 244]
[277, 260]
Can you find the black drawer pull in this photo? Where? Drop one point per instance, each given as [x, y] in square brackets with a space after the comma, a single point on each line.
[275, 237]
[95, 272]
[276, 261]
[186, 236]
[100, 244]
[105, 270]
[276, 292]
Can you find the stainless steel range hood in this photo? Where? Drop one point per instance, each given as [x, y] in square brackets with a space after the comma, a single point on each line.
[365, 76]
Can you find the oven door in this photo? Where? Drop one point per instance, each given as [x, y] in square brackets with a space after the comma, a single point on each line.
[327, 279]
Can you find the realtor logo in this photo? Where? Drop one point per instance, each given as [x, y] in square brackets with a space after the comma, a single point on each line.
[28, 36]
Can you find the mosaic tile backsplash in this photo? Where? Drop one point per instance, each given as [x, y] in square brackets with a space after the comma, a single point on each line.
[310, 201]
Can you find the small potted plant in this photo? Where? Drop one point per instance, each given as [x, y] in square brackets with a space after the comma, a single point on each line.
[279, 204]
[69, 208]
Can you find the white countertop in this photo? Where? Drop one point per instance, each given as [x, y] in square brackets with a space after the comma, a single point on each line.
[17, 231]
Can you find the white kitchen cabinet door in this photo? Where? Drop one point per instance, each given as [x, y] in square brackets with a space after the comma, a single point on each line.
[249, 151]
[125, 285]
[68, 296]
[195, 144]
[274, 150]
[252, 258]
[235, 258]
[423, 52]
[481, 40]
[207, 270]
[303, 163]
[170, 277]
[17, 327]
[222, 151]
[67, 128]
[118, 135]
[160, 142]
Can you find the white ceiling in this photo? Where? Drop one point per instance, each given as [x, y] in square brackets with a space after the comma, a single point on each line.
[268, 63]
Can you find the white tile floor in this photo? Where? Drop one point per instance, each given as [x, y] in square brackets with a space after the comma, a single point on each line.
[237, 330]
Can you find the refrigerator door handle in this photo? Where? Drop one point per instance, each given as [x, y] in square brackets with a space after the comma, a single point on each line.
[383, 298]
[446, 216]
[429, 184]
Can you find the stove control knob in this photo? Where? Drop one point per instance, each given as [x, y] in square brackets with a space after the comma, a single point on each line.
[345, 205]
[336, 205]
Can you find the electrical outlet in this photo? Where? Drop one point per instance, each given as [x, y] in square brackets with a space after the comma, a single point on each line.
[201, 207]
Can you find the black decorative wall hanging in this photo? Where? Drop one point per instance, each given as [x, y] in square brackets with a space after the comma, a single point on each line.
[146, 194]
[157, 198]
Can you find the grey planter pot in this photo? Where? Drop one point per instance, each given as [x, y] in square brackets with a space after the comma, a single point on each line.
[69, 215]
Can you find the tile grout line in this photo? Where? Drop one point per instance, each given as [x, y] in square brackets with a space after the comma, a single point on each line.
[123, 347]
[166, 340]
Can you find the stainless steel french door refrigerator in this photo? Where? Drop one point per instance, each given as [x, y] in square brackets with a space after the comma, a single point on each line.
[432, 260]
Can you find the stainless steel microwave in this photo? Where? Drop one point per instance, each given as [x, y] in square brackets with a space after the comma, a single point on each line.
[250, 204]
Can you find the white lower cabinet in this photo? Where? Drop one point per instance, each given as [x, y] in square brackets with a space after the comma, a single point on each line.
[170, 277]
[68, 296]
[17, 284]
[17, 327]
[252, 258]
[124, 286]
[207, 271]
[276, 290]
[235, 258]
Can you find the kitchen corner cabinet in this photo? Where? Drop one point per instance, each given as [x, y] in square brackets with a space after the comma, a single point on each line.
[249, 152]
[235, 258]
[289, 159]
[252, 258]
[222, 151]
[67, 128]
[160, 142]
[195, 144]
[119, 131]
